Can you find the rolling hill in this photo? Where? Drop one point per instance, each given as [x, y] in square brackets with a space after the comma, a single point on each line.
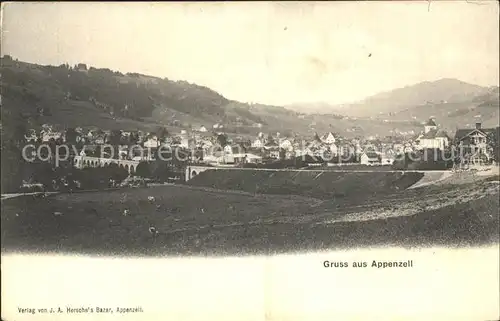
[459, 112]
[435, 92]
[453, 103]
[69, 97]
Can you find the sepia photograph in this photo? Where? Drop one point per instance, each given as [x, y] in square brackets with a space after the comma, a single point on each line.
[250, 160]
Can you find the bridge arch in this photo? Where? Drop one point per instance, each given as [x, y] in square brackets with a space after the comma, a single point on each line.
[87, 161]
[192, 171]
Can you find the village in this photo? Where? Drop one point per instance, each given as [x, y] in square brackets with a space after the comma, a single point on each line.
[478, 146]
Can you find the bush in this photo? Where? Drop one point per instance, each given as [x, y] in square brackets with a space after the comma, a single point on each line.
[143, 170]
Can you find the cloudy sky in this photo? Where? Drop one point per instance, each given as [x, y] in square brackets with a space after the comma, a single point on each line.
[275, 53]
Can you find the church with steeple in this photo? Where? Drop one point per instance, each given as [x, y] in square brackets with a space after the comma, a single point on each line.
[432, 137]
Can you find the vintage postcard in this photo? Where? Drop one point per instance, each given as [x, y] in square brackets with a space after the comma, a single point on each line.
[260, 161]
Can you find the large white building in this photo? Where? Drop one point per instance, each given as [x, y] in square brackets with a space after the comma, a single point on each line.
[152, 142]
[328, 138]
[432, 138]
[258, 143]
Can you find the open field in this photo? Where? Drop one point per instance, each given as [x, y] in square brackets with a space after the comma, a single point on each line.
[193, 220]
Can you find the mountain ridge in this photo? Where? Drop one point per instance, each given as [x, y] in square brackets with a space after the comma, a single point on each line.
[437, 91]
[82, 96]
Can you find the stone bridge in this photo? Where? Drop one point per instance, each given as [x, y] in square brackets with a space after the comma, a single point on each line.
[193, 170]
[86, 161]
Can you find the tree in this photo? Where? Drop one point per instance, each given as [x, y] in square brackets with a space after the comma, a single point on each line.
[160, 170]
[133, 138]
[179, 158]
[198, 153]
[71, 136]
[115, 137]
[493, 142]
[115, 140]
[282, 153]
[143, 170]
[402, 161]
[116, 172]
[270, 139]
[222, 139]
[161, 133]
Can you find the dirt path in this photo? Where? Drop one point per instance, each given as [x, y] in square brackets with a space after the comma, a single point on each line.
[14, 195]
[430, 178]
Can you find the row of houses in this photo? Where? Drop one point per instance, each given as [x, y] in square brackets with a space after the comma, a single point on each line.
[478, 146]
[476, 142]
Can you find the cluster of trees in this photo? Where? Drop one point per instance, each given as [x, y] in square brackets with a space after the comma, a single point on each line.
[68, 178]
[98, 177]
[156, 170]
[16, 170]
[44, 170]
[493, 140]
[169, 165]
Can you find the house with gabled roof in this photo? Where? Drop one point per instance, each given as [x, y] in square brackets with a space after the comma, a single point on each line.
[370, 158]
[152, 142]
[49, 135]
[328, 138]
[479, 145]
[272, 149]
[271, 145]
[31, 136]
[258, 143]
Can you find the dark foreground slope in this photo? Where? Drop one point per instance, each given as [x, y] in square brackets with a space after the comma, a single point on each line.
[325, 185]
[193, 221]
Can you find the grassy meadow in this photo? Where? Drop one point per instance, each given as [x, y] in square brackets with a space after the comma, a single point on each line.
[199, 220]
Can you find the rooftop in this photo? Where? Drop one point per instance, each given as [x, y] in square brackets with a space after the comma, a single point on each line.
[430, 122]
[434, 133]
[463, 132]
[371, 154]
